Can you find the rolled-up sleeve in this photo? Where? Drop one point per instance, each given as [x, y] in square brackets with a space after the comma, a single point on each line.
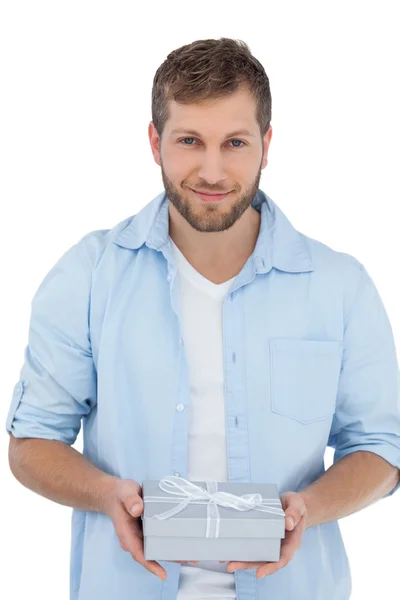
[367, 415]
[57, 383]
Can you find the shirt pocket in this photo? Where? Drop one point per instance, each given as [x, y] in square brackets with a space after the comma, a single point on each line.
[304, 378]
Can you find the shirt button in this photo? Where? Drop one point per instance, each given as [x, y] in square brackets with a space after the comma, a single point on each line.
[180, 407]
[260, 264]
[177, 474]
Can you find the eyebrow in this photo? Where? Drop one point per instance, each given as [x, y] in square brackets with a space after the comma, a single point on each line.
[196, 133]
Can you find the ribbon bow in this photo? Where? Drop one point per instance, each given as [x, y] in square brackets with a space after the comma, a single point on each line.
[190, 493]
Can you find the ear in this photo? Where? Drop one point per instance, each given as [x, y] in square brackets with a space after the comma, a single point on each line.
[155, 141]
[266, 143]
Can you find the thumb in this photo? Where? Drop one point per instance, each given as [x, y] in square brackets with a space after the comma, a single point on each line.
[134, 505]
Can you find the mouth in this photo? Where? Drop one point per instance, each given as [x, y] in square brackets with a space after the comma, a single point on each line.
[210, 197]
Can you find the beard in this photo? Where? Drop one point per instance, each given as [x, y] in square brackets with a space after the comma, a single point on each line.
[211, 218]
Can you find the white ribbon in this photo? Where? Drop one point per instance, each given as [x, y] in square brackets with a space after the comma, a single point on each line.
[189, 493]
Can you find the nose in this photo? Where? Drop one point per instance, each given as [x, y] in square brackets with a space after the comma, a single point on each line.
[212, 170]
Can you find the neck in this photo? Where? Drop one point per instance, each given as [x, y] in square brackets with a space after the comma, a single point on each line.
[220, 247]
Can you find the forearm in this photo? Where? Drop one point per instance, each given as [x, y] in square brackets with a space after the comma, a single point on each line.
[60, 473]
[354, 482]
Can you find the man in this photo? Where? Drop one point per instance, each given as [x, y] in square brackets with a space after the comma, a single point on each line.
[206, 338]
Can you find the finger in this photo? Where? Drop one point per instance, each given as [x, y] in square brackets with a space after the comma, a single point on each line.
[293, 541]
[235, 565]
[132, 499]
[128, 529]
[130, 493]
[130, 535]
[136, 551]
[182, 562]
[134, 505]
[294, 508]
[270, 568]
[292, 517]
[288, 549]
[152, 566]
[289, 522]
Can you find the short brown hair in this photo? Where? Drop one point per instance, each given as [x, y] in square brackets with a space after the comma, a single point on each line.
[209, 69]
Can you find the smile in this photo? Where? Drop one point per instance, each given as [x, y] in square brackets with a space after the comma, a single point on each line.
[210, 197]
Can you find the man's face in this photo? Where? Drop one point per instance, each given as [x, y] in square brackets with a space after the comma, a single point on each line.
[199, 152]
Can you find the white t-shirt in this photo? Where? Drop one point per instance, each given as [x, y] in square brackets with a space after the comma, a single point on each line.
[201, 320]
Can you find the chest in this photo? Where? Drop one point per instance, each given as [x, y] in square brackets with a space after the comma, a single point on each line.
[278, 343]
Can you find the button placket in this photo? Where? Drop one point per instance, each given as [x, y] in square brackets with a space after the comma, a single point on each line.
[234, 374]
[180, 433]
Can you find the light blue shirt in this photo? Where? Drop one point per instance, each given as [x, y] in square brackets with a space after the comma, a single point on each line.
[309, 362]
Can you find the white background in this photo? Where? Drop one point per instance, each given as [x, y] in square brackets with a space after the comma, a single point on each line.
[75, 98]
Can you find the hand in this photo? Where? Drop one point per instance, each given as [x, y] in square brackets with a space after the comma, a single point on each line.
[125, 507]
[295, 508]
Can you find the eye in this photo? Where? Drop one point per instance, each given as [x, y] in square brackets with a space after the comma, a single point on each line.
[240, 142]
[183, 140]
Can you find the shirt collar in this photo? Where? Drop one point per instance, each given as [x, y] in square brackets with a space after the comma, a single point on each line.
[278, 244]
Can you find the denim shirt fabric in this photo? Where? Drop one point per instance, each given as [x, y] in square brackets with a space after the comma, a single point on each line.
[309, 362]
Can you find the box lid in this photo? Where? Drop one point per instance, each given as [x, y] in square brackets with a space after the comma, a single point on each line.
[191, 521]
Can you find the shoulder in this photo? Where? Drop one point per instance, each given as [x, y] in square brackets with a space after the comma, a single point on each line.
[75, 267]
[95, 243]
[336, 268]
[88, 251]
[326, 258]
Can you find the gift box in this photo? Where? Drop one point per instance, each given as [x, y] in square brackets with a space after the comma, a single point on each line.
[227, 521]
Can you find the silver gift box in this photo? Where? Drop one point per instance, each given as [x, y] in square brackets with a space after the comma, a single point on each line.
[243, 535]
